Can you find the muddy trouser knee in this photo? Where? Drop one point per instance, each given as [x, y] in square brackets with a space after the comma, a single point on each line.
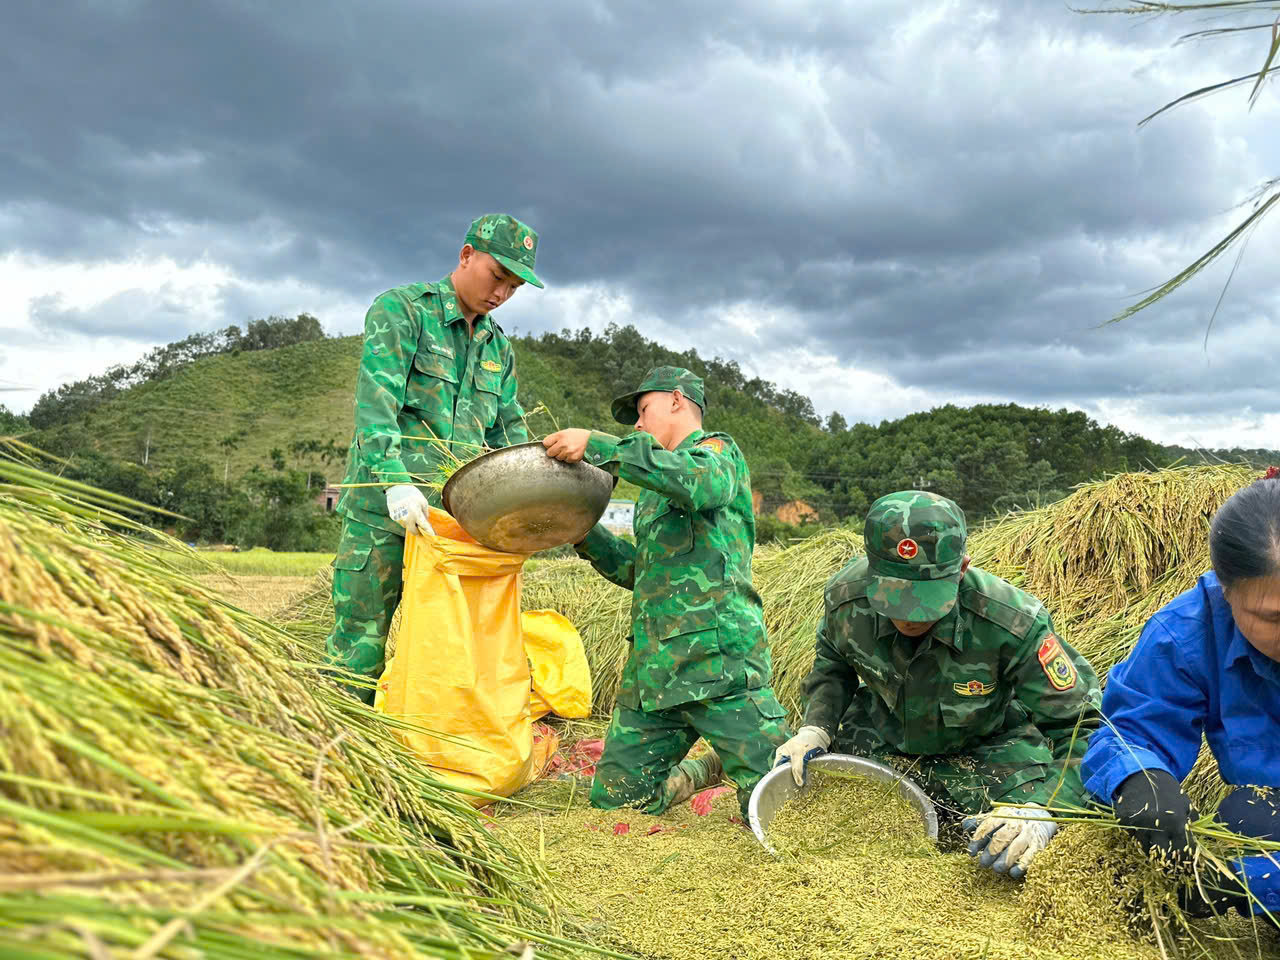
[642, 747]
[368, 576]
[1012, 766]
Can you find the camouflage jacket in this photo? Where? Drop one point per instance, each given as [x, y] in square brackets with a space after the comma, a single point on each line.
[990, 664]
[697, 625]
[424, 374]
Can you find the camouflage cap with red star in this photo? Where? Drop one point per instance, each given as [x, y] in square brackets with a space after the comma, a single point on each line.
[915, 544]
[512, 243]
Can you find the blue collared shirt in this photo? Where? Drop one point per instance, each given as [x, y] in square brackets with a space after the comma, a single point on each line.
[1192, 672]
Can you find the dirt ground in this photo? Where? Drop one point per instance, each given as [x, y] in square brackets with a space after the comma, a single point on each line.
[263, 596]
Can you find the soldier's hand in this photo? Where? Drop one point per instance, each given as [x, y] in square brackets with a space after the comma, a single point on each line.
[800, 749]
[567, 445]
[1008, 838]
[408, 507]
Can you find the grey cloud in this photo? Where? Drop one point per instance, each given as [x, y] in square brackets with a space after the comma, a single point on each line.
[935, 203]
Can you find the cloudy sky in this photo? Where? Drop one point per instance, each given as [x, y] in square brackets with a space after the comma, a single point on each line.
[887, 205]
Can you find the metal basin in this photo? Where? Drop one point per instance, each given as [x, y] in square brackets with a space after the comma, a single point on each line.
[777, 786]
[519, 500]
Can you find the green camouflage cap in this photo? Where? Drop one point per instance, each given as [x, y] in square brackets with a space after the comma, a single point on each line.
[666, 379]
[915, 548]
[512, 243]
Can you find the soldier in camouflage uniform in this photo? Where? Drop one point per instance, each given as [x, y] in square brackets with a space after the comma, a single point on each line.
[951, 675]
[699, 662]
[436, 374]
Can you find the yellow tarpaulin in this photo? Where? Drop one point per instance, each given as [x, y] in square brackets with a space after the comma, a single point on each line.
[470, 671]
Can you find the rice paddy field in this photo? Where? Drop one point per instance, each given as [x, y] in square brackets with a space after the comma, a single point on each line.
[261, 562]
[179, 779]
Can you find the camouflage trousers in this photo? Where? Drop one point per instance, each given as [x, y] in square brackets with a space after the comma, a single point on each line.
[368, 577]
[642, 747]
[1013, 766]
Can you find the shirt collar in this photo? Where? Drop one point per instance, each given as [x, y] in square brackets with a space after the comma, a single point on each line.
[1238, 649]
[944, 631]
[691, 439]
[453, 307]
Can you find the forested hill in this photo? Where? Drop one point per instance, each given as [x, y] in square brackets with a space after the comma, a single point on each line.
[233, 407]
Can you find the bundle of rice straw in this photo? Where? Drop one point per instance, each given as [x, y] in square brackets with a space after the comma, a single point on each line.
[177, 779]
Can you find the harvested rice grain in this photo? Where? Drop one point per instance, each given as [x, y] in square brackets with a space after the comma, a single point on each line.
[840, 815]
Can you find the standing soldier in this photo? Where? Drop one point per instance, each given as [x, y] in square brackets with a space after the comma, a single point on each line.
[436, 374]
[699, 663]
[952, 675]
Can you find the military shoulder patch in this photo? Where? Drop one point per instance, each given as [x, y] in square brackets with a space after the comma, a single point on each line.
[1056, 664]
[974, 688]
[714, 444]
[491, 366]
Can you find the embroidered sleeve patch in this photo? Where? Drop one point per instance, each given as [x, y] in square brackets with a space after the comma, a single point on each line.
[974, 688]
[714, 444]
[1056, 664]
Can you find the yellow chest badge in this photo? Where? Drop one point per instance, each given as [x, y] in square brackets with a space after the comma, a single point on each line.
[491, 366]
[974, 688]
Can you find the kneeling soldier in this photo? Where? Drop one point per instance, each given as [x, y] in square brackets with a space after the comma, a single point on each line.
[953, 676]
[699, 664]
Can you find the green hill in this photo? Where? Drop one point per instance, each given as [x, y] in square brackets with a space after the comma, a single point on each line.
[229, 411]
[275, 398]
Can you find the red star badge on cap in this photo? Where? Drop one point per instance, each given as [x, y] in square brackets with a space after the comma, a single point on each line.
[528, 242]
[907, 549]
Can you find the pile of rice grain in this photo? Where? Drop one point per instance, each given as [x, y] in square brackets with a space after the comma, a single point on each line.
[689, 887]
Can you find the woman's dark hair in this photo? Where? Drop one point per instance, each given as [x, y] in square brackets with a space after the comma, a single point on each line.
[1244, 538]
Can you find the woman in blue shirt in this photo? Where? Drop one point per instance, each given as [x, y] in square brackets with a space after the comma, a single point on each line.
[1207, 663]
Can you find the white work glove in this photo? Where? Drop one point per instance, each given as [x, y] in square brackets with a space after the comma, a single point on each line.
[408, 507]
[800, 749]
[1010, 837]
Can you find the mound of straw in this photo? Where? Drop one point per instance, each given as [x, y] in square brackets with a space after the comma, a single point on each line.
[178, 780]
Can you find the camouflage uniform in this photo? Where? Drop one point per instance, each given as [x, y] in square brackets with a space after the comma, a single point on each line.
[699, 662]
[989, 705]
[427, 382]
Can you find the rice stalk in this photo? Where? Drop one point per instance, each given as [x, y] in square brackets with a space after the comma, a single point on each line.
[179, 779]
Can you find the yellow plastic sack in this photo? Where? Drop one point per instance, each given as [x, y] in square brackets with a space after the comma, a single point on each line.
[558, 664]
[460, 674]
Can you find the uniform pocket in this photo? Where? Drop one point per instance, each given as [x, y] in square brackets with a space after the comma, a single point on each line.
[677, 661]
[352, 556]
[977, 715]
[488, 396]
[668, 533]
[432, 384]
[767, 703]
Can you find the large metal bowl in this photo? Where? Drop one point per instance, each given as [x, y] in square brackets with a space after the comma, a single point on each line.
[519, 500]
[777, 786]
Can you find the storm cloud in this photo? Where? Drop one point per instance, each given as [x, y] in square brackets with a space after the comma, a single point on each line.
[887, 205]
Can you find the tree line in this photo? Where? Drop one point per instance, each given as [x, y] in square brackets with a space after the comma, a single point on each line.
[990, 458]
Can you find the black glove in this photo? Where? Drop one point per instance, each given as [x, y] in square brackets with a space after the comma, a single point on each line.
[1214, 893]
[1151, 804]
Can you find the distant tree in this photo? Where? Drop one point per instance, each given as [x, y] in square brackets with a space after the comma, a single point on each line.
[228, 444]
[278, 512]
[12, 423]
